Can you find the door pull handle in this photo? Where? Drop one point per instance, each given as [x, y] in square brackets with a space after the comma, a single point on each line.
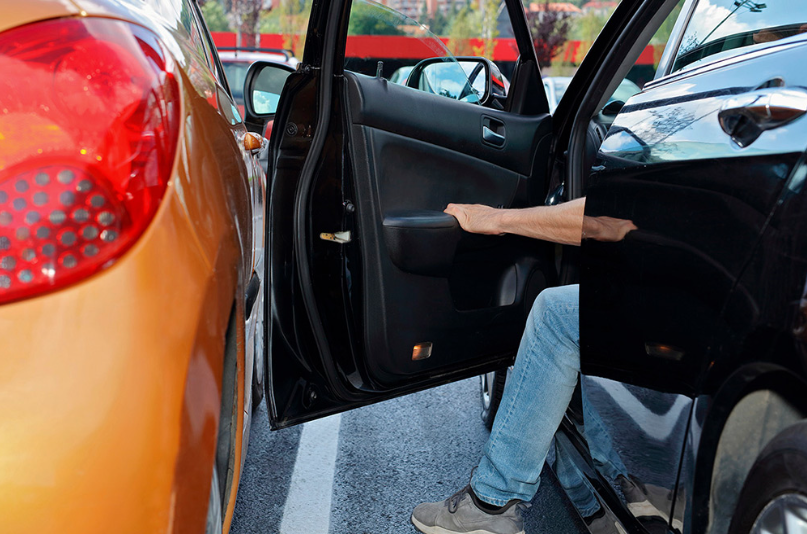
[745, 117]
[491, 137]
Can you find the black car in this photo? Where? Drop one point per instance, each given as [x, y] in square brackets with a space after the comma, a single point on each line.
[692, 328]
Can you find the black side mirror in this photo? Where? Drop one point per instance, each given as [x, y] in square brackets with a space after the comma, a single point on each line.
[613, 108]
[262, 88]
[468, 79]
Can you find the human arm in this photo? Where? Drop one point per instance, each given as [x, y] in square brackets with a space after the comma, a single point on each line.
[563, 223]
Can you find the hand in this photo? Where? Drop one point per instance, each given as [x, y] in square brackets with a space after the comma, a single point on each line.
[476, 218]
[608, 229]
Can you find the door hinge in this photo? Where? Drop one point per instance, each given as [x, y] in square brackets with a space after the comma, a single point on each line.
[338, 237]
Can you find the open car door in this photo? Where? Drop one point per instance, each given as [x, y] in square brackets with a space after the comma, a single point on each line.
[374, 292]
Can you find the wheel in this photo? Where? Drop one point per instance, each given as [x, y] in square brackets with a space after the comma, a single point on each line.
[214, 519]
[774, 495]
[259, 370]
[492, 387]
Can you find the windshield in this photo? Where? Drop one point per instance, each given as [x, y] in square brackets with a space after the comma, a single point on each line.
[719, 28]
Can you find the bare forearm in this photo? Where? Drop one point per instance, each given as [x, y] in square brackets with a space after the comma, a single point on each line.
[562, 223]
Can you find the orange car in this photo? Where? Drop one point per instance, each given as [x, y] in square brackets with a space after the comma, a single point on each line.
[131, 230]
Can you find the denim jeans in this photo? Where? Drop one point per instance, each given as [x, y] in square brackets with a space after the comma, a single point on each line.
[606, 460]
[535, 398]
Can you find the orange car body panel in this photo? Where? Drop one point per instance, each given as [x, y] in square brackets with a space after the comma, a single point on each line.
[110, 389]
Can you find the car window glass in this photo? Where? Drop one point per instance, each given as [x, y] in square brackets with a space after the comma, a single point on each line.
[290, 20]
[560, 51]
[563, 32]
[401, 34]
[721, 28]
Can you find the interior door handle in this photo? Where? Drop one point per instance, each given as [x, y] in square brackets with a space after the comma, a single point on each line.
[491, 137]
[745, 117]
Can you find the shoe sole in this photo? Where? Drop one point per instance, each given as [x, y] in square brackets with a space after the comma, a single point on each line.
[440, 530]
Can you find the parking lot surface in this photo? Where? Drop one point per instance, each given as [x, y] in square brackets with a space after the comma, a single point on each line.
[364, 471]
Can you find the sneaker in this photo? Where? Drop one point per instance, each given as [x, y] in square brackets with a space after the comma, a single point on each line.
[459, 514]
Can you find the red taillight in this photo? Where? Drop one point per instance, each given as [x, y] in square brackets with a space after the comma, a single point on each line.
[89, 119]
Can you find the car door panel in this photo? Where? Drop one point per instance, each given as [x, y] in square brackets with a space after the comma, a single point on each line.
[414, 151]
[440, 121]
[655, 308]
[420, 302]
[699, 201]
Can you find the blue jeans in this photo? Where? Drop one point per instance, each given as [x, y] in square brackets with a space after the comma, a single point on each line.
[535, 398]
[606, 460]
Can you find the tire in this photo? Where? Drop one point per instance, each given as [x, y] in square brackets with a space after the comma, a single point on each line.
[259, 371]
[214, 518]
[776, 486]
[491, 387]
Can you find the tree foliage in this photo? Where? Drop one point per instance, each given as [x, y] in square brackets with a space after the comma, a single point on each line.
[215, 17]
[550, 29]
[244, 16]
[466, 25]
[370, 19]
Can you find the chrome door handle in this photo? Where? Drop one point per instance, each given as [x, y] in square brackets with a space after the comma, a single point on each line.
[744, 117]
[489, 136]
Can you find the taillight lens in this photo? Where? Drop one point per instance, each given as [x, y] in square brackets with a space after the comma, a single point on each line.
[89, 119]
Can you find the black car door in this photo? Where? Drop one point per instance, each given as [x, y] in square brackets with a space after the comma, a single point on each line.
[373, 291]
[697, 162]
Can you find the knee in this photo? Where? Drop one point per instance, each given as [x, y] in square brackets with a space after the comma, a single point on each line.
[558, 301]
[556, 310]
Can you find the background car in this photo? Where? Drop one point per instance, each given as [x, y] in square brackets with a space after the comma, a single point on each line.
[555, 86]
[131, 261]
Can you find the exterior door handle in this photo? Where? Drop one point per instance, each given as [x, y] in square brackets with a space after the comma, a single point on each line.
[491, 137]
[745, 117]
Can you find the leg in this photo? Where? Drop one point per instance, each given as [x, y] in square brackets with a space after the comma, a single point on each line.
[535, 398]
[600, 443]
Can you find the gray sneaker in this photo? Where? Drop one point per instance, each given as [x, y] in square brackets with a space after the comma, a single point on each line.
[459, 514]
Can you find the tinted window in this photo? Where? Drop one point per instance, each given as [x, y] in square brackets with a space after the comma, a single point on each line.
[236, 73]
[722, 28]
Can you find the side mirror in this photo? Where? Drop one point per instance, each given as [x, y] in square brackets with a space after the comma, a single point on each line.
[468, 79]
[613, 108]
[262, 88]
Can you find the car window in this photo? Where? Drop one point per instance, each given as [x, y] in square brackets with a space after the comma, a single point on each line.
[646, 67]
[723, 28]
[563, 33]
[399, 35]
[236, 72]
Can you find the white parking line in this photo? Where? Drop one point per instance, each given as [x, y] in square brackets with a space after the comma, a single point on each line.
[308, 505]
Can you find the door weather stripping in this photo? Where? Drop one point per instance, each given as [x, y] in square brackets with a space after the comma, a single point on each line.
[338, 237]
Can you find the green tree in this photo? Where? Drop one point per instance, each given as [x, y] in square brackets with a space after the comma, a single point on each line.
[588, 27]
[372, 19]
[489, 27]
[292, 22]
[438, 24]
[662, 35]
[215, 17]
[466, 25]
[269, 21]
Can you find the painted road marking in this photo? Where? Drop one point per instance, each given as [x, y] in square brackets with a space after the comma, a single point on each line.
[308, 505]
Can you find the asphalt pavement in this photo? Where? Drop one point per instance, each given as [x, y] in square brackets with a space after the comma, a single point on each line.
[388, 458]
